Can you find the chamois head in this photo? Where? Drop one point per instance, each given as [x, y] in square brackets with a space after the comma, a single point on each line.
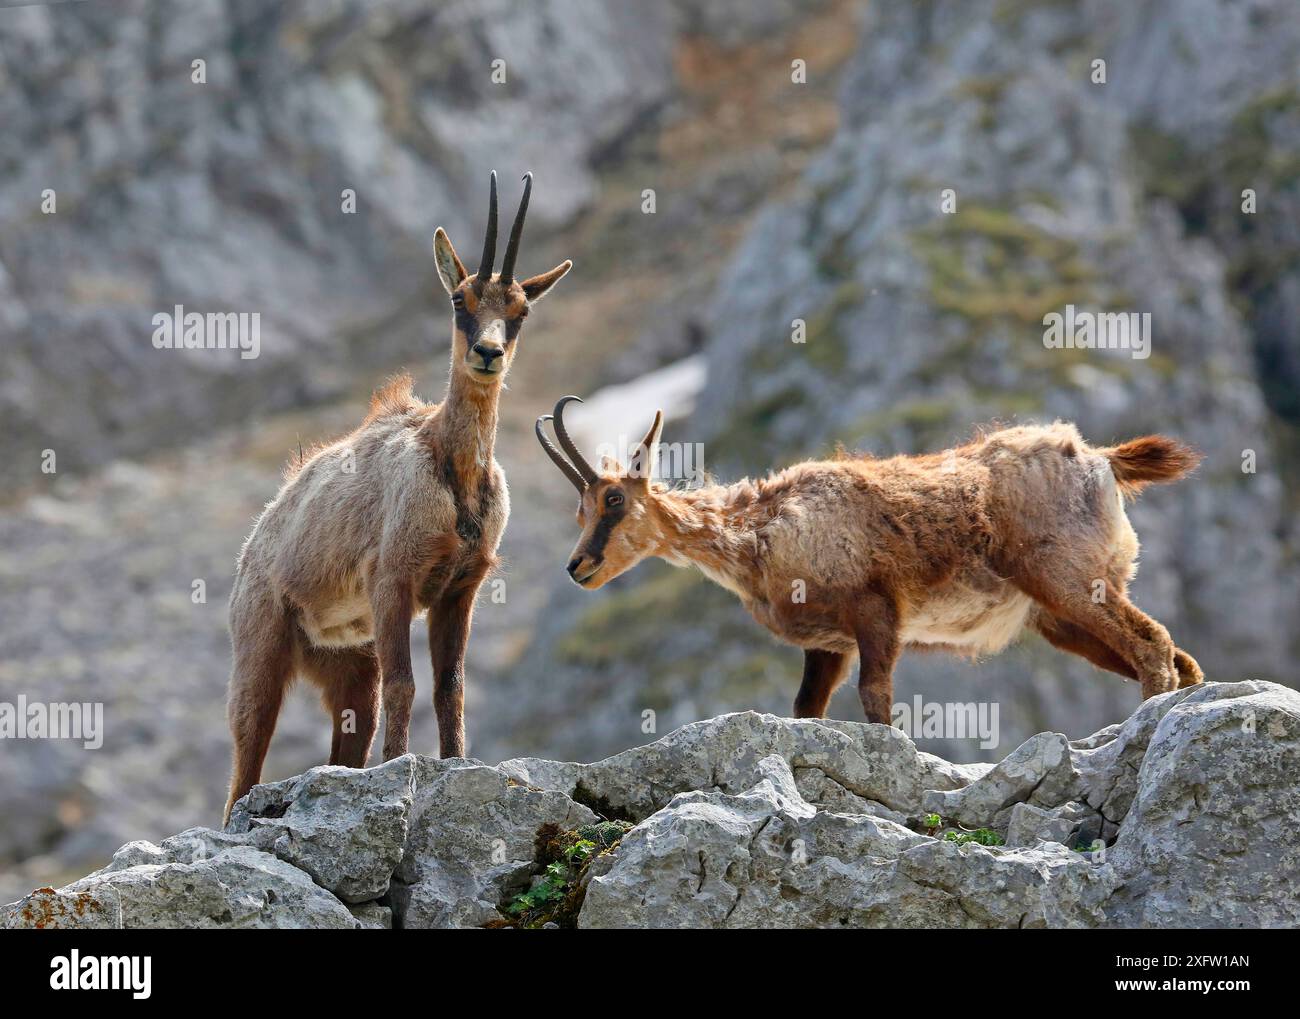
[618, 511]
[490, 308]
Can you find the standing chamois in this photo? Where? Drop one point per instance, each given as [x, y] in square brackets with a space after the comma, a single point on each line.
[400, 517]
[958, 550]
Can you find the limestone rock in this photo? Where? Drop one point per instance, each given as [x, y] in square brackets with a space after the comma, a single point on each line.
[345, 827]
[872, 762]
[763, 858]
[473, 837]
[239, 886]
[1040, 771]
[1070, 824]
[751, 820]
[1211, 837]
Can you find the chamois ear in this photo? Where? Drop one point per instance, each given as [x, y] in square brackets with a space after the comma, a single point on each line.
[643, 458]
[535, 287]
[450, 270]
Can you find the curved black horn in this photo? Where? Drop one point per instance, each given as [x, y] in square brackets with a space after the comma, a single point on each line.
[516, 231]
[567, 468]
[566, 443]
[484, 272]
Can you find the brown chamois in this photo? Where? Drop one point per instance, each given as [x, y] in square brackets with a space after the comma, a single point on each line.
[400, 517]
[958, 550]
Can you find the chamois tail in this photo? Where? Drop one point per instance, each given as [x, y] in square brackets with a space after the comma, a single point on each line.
[1152, 459]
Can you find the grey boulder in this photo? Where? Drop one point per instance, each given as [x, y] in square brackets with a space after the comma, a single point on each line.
[1185, 813]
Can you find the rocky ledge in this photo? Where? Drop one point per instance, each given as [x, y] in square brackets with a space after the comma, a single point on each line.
[1185, 815]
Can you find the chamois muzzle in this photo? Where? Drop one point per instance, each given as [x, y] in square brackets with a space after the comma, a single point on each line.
[490, 355]
[571, 462]
[583, 567]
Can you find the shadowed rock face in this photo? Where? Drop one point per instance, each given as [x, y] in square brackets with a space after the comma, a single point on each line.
[750, 820]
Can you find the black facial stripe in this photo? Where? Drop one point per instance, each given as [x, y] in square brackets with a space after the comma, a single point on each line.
[604, 527]
[465, 322]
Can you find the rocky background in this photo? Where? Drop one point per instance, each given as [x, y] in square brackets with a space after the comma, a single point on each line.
[775, 201]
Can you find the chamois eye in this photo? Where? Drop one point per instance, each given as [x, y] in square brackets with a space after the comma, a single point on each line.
[614, 499]
[513, 326]
[458, 300]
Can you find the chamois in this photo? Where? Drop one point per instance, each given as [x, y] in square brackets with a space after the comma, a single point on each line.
[961, 550]
[401, 516]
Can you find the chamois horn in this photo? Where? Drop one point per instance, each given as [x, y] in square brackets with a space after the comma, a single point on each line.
[567, 468]
[484, 272]
[516, 231]
[570, 462]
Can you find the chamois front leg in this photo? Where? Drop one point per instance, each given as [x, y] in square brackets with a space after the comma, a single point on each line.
[449, 624]
[875, 626]
[391, 604]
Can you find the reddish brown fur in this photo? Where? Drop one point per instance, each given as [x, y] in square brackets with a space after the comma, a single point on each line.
[1151, 459]
[402, 516]
[957, 550]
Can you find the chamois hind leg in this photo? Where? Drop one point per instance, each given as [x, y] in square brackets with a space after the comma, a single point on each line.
[263, 670]
[875, 625]
[349, 682]
[1074, 638]
[1189, 672]
[1116, 622]
[823, 671]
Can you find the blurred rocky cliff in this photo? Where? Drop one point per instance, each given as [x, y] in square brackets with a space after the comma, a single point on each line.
[228, 196]
[776, 202]
[1122, 196]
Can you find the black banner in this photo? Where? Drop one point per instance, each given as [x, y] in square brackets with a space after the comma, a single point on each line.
[141, 969]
